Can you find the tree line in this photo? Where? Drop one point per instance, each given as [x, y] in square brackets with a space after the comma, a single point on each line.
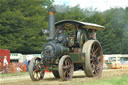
[21, 22]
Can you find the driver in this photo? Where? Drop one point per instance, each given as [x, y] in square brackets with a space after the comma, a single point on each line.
[92, 34]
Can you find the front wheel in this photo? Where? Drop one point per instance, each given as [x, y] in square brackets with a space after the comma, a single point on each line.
[66, 68]
[35, 71]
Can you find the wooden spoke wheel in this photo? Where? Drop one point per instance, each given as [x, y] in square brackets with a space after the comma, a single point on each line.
[66, 68]
[93, 58]
[56, 74]
[35, 71]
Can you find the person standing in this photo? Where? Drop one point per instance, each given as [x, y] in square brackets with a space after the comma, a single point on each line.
[5, 64]
[92, 34]
[26, 63]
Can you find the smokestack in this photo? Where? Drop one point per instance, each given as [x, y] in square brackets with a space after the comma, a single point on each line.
[51, 22]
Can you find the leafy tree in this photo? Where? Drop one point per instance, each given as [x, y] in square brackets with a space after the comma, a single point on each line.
[20, 24]
[72, 13]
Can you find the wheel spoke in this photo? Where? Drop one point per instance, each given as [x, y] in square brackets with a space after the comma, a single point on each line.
[94, 53]
[97, 68]
[95, 63]
[34, 74]
[64, 74]
[34, 64]
[68, 74]
[99, 59]
[93, 47]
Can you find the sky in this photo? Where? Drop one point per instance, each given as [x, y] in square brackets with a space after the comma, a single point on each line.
[100, 5]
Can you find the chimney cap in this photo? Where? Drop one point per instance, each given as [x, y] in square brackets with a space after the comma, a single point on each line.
[52, 9]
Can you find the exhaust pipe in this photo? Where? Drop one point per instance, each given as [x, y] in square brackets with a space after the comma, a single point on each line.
[51, 22]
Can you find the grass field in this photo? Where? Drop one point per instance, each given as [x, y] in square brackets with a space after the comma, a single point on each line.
[13, 74]
[118, 80]
[109, 77]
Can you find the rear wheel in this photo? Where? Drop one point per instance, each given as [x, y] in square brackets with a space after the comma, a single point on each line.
[66, 68]
[35, 71]
[93, 58]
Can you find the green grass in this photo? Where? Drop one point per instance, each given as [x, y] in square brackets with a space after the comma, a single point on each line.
[13, 74]
[120, 80]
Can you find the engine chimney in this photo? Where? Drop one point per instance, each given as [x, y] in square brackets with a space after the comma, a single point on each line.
[51, 22]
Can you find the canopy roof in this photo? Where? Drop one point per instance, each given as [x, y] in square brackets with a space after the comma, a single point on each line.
[83, 24]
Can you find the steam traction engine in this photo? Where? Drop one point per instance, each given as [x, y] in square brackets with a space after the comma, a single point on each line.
[72, 46]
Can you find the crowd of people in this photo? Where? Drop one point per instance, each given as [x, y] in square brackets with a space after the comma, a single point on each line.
[5, 66]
